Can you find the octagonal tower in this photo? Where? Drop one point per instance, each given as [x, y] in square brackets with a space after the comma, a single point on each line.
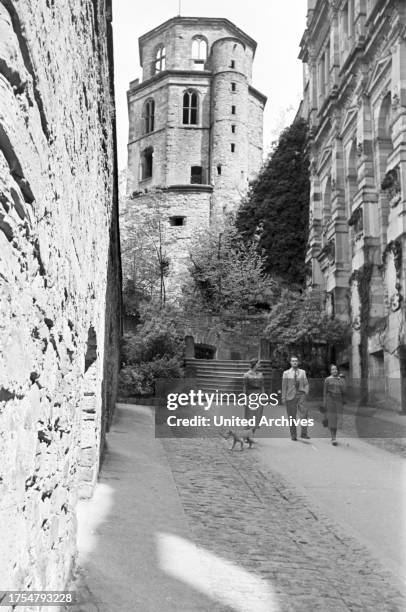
[195, 126]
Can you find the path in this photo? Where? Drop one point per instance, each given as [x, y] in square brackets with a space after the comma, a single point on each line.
[183, 524]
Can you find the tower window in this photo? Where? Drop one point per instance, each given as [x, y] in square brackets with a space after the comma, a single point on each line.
[147, 157]
[232, 147]
[233, 110]
[233, 87]
[177, 221]
[190, 108]
[149, 116]
[160, 59]
[219, 169]
[232, 64]
[199, 52]
[196, 175]
[233, 129]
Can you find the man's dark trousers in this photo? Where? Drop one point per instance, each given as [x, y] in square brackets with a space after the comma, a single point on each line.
[293, 407]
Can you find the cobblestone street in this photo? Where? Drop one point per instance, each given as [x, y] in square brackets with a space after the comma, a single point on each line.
[254, 519]
[186, 525]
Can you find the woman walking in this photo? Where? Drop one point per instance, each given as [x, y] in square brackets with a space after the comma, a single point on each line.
[253, 382]
[333, 401]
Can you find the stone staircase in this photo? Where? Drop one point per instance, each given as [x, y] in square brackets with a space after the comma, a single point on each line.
[224, 375]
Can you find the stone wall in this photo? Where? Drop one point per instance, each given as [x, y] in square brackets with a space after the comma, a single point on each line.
[59, 277]
[153, 212]
[231, 337]
[255, 134]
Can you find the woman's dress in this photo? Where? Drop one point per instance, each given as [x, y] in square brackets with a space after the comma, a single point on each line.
[253, 383]
[334, 400]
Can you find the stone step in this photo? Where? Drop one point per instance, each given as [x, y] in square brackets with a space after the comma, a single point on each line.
[221, 378]
[208, 368]
[246, 361]
[222, 367]
[227, 362]
[225, 375]
[214, 388]
[218, 383]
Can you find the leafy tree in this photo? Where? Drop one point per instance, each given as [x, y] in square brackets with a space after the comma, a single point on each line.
[275, 212]
[144, 254]
[299, 324]
[226, 274]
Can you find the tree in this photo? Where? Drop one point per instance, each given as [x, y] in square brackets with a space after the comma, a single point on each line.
[299, 324]
[144, 255]
[275, 212]
[226, 274]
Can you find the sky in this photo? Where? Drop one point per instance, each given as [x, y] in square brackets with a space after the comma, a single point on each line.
[276, 25]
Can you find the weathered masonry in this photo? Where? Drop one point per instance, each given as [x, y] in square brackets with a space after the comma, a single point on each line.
[195, 126]
[59, 277]
[354, 54]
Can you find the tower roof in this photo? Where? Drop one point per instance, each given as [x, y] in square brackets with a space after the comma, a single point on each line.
[198, 21]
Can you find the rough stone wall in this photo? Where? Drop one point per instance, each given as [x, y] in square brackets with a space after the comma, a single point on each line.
[59, 276]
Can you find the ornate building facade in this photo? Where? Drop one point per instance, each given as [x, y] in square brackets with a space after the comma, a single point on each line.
[195, 128]
[354, 55]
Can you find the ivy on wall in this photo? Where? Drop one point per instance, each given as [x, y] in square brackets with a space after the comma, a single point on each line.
[362, 277]
[395, 247]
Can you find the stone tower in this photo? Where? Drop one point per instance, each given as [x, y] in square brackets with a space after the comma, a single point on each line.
[195, 126]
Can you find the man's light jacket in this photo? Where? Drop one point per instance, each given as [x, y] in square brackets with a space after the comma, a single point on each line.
[289, 389]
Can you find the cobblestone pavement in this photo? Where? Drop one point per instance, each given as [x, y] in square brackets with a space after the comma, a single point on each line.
[396, 446]
[257, 522]
[384, 429]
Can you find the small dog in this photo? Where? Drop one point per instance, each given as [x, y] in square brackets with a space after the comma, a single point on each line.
[239, 437]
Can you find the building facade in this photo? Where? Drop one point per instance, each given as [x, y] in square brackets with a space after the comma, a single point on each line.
[354, 55]
[195, 127]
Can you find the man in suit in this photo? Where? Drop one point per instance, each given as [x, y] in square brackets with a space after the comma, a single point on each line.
[295, 387]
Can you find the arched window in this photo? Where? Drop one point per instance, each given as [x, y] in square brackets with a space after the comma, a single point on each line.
[160, 59]
[149, 116]
[199, 52]
[190, 108]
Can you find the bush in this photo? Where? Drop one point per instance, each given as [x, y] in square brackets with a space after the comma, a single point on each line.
[139, 379]
[298, 324]
[154, 351]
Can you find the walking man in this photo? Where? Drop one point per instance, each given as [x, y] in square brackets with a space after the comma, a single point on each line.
[295, 387]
